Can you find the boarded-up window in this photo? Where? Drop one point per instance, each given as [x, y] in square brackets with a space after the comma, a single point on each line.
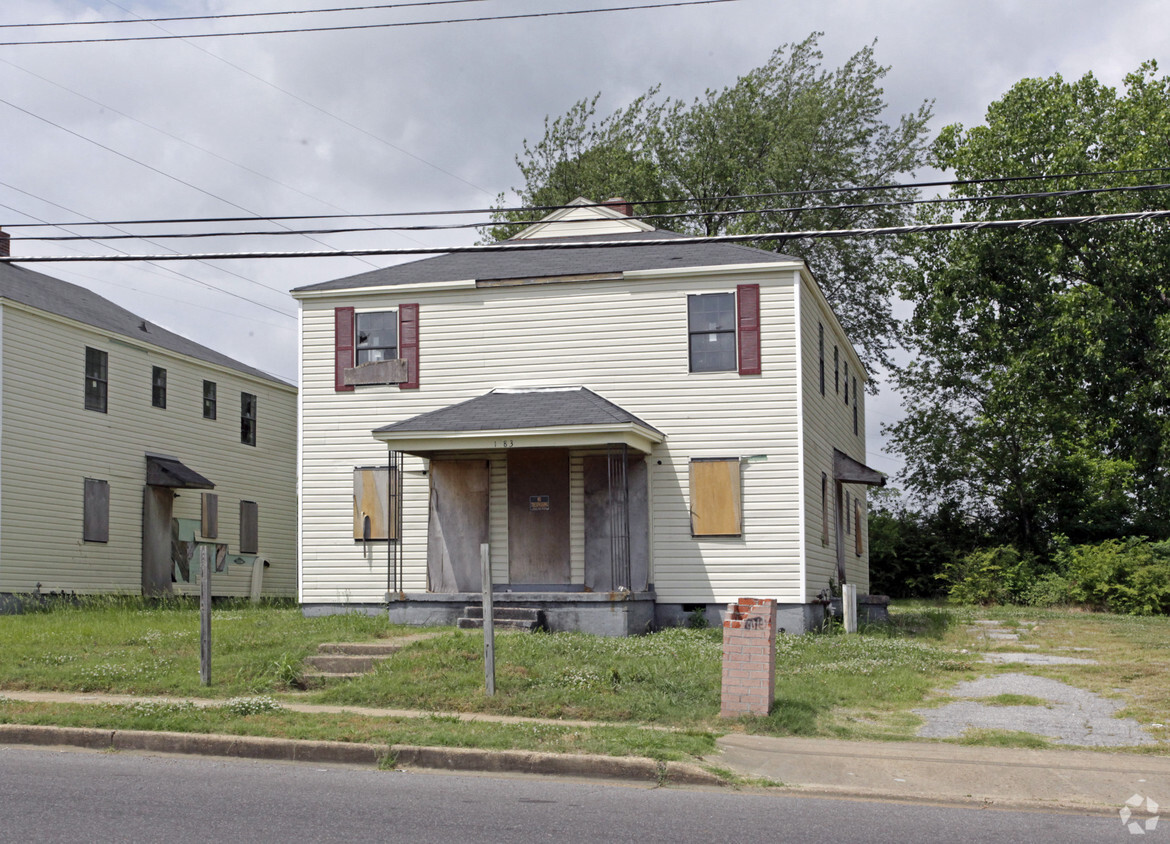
[209, 523]
[96, 512]
[372, 517]
[716, 498]
[249, 527]
[857, 524]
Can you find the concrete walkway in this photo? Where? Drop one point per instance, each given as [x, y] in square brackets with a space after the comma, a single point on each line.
[927, 771]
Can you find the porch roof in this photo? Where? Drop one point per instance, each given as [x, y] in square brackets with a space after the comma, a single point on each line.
[522, 418]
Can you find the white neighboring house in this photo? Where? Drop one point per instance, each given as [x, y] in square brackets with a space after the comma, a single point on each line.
[126, 448]
[635, 432]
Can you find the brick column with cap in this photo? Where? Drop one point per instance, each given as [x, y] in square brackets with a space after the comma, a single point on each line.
[749, 657]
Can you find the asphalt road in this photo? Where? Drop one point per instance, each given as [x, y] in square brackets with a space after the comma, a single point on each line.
[68, 795]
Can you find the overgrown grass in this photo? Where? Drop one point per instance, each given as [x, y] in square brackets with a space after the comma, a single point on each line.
[243, 719]
[111, 644]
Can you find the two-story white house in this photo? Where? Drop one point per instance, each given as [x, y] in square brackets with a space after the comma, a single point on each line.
[128, 451]
[635, 429]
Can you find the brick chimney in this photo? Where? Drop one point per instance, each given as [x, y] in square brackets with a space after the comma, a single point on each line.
[620, 205]
[4, 244]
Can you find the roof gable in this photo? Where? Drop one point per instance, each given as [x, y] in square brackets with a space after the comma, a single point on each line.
[583, 217]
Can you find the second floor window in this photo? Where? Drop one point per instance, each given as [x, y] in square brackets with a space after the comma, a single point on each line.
[96, 379]
[377, 336]
[208, 399]
[711, 329]
[158, 387]
[247, 419]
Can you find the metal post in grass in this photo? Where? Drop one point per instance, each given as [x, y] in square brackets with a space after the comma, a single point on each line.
[205, 615]
[489, 626]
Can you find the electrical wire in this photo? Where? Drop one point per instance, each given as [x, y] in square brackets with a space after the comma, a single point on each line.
[352, 27]
[531, 246]
[690, 214]
[379, 7]
[609, 204]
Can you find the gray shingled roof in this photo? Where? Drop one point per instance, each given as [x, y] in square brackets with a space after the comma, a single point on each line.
[74, 302]
[502, 410]
[547, 263]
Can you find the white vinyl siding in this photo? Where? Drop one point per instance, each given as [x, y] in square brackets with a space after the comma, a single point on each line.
[828, 424]
[626, 340]
[51, 444]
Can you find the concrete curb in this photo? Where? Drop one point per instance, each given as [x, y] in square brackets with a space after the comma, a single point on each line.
[405, 756]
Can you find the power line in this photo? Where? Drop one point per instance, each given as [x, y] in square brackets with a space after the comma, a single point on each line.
[351, 27]
[608, 204]
[530, 246]
[241, 14]
[690, 214]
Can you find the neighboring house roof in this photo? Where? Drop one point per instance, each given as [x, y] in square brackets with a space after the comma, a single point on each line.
[550, 263]
[523, 413]
[77, 303]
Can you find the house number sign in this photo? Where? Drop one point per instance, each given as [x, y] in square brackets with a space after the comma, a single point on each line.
[538, 503]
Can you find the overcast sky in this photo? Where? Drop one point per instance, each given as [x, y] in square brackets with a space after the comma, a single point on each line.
[427, 117]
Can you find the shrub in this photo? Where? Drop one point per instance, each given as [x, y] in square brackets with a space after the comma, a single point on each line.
[999, 575]
[1130, 576]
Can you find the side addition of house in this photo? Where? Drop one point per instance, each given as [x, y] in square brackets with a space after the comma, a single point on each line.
[128, 451]
[634, 426]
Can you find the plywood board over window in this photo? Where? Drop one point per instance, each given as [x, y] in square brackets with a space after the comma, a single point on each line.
[716, 497]
[371, 505]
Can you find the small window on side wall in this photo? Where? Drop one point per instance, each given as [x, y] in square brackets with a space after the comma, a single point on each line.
[249, 527]
[158, 387]
[96, 511]
[716, 497]
[209, 403]
[96, 379]
[711, 332]
[377, 336]
[247, 418]
[373, 517]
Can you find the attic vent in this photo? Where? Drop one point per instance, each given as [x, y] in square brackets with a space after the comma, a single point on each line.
[5, 244]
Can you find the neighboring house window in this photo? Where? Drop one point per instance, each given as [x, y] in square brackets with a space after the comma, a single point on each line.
[377, 336]
[247, 419]
[208, 399]
[373, 518]
[855, 407]
[711, 328]
[96, 379]
[716, 497]
[209, 516]
[249, 527]
[158, 387]
[824, 509]
[723, 331]
[846, 382]
[95, 519]
[821, 353]
[837, 370]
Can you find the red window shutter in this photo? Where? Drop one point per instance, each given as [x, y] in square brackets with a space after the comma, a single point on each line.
[408, 344]
[748, 304]
[343, 344]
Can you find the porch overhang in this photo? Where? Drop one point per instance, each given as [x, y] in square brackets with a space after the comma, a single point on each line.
[558, 417]
[164, 471]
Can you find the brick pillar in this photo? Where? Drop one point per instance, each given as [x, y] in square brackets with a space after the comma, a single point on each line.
[749, 657]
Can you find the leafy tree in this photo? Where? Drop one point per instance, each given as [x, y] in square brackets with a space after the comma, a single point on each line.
[1038, 398]
[786, 126]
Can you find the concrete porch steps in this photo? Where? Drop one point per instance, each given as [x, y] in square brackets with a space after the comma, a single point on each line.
[505, 618]
[336, 661]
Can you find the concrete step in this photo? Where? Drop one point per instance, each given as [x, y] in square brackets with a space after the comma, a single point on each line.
[343, 663]
[382, 648]
[317, 679]
[477, 624]
[506, 613]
